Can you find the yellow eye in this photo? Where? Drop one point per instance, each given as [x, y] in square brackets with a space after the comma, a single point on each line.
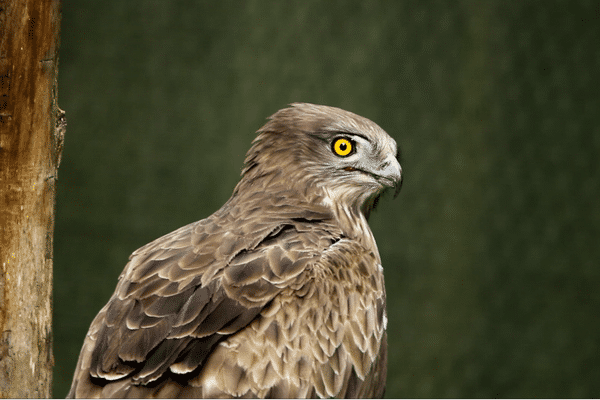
[342, 147]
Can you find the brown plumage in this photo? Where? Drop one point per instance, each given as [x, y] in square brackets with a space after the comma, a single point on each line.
[279, 293]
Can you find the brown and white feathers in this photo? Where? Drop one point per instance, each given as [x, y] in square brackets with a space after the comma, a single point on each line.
[279, 293]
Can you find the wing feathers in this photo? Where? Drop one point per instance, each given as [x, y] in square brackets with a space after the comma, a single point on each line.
[222, 314]
[247, 268]
[289, 284]
[194, 354]
[140, 342]
[160, 359]
[194, 305]
[167, 305]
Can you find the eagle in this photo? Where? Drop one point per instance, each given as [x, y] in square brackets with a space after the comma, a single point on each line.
[279, 293]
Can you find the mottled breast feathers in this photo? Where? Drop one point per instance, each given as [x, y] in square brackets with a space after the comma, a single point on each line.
[277, 294]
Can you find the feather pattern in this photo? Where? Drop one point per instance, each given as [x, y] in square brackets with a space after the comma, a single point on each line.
[279, 293]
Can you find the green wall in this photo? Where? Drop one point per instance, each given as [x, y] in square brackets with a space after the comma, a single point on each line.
[491, 250]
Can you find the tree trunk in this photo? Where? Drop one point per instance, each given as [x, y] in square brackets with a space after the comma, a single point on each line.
[31, 136]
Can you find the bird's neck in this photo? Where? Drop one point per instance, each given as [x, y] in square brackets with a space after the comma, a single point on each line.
[263, 190]
[351, 220]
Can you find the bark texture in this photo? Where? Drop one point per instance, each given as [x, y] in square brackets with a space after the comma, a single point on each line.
[31, 135]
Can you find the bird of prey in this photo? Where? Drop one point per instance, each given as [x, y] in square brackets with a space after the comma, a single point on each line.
[279, 293]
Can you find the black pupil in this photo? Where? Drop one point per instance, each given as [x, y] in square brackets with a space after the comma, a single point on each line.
[343, 146]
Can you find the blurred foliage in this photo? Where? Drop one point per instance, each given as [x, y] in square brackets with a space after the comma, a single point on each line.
[491, 250]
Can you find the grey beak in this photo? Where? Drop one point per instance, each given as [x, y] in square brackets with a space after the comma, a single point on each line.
[391, 172]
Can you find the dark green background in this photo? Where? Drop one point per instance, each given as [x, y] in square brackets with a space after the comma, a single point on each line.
[491, 251]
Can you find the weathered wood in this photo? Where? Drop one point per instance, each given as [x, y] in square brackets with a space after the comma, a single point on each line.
[31, 133]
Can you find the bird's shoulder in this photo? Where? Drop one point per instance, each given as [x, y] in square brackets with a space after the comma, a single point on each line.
[233, 246]
[183, 293]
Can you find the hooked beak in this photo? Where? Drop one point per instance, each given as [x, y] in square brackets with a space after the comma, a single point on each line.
[390, 174]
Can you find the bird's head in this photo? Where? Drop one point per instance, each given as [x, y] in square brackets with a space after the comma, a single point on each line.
[306, 146]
